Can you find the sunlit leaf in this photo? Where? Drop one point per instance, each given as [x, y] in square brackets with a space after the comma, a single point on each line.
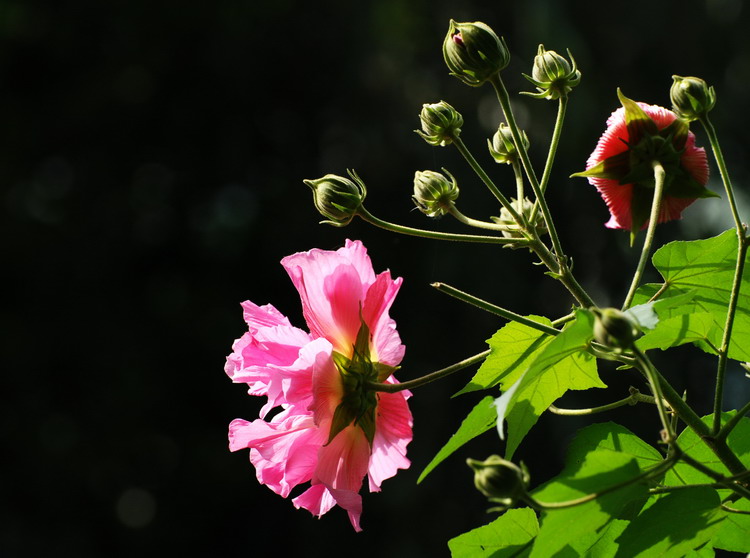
[600, 470]
[738, 440]
[481, 418]
[703, 270]
[562, 364]
[734, 533]
[508, 536]
[674, 525]
[513, 347]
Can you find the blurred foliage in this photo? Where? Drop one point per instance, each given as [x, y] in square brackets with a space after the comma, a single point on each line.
[151, 179]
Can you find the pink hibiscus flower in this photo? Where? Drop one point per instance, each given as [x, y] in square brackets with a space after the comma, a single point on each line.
[332, 430]
[620, 166]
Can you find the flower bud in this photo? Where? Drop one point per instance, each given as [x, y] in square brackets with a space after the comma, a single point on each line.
[473, 52]
[338, 198]
[553, 75]
[434, 194]
[524, 208]
[441, 123]
[502, 147]
[499, 480]
[613, 328]
[691, 97]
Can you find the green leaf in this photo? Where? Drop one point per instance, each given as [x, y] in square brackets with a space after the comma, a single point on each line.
[738, 440]
[614, 437]
[643, 315]
[706, 268]
[734, 533]
[600, 470]
[596, 544]
[481, 418]
[686, 328]
[513, 347]
[507, 536]
[577, 371]
[560, 365]
[674, 525]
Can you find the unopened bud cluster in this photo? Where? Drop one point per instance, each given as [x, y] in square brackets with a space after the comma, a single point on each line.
[525, 208]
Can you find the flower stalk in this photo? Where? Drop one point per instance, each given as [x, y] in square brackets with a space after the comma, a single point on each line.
[554, 142]
[742, 244]
[504, 99]
[659, 180]
[434, 235]
[428, 378]
[634, 398]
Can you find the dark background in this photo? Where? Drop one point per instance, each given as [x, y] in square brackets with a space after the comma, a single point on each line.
[151, 165]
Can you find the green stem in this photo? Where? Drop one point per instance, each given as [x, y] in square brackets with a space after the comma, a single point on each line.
[370, 218]
[719, 156]
[453, 210]
[659, 176]
[461, 146]
[484, 305]
[739, 267]
[561, 272]
[632, 399]
[428, 378]
[718, 477]
[504, 99]
[655, 382]
[678, 487]
[688, 416]
[726, 338]
[518, 173]
[556, 133]
[732, 422]
[734, 510]
[657, 470]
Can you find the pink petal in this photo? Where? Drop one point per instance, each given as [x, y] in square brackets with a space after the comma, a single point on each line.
[332, 286]
[316, 499]
[387, 346]
[284, 451]
[327, 390]
[343, 463]
[392, 435]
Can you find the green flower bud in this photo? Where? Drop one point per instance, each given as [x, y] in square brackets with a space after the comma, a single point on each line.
[524, 208]
[499, 480]
[613, 328]
[338, 198]
[691, 97]
[441, 123]
[502, 147]
[553, 75]
[473, 52]
[434, 194]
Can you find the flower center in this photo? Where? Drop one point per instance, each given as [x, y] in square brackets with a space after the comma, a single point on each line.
[359, 402]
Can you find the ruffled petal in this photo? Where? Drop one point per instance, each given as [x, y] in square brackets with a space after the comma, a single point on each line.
[386, 342]
[392, 435]
[332, 287]
[271, 344]
[283, 451]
